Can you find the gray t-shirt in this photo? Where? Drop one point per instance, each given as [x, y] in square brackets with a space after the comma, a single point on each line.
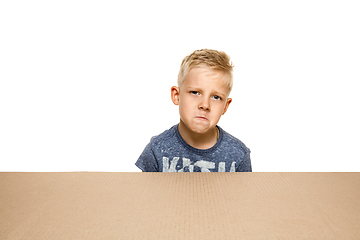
[168, 152]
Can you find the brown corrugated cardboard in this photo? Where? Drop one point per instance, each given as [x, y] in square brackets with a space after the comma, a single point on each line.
[179, 205]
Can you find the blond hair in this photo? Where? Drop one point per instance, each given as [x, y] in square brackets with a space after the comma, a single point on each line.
[217, 60]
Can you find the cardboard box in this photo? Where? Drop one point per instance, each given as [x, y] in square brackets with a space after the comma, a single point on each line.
[179, 205]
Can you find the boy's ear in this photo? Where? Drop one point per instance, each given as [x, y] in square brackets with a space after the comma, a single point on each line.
[228, 101]
[175, 91]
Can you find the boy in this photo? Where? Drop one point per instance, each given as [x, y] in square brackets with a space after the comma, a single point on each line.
[197, 144]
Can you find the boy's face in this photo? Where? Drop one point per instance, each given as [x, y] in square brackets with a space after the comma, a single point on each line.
[202, 99]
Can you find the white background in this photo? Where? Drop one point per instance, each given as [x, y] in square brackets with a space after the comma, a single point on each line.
[85, 84]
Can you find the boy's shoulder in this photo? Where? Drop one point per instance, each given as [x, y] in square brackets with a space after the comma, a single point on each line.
[231, 142]
[165, 136]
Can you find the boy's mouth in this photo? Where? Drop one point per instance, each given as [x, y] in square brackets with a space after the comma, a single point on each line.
[201, 118]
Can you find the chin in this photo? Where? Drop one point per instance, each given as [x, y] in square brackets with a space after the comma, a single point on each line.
[200, 130]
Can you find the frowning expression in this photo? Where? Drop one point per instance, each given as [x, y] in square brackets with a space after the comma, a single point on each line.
[202, 99]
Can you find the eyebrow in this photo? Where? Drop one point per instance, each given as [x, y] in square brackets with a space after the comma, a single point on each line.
[219, 93]
[194, 88]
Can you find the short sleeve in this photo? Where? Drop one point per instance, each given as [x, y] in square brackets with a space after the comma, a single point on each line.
[147, 161]
[245, 165]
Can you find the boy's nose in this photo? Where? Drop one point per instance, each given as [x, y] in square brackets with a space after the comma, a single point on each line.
[204, 105]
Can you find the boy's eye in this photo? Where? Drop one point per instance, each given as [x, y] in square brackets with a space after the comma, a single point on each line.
[217, 97]
[194, 92]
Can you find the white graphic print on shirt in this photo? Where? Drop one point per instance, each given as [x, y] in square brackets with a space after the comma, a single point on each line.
[186, 163]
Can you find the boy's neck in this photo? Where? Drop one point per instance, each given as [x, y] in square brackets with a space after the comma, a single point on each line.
[199, 141]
